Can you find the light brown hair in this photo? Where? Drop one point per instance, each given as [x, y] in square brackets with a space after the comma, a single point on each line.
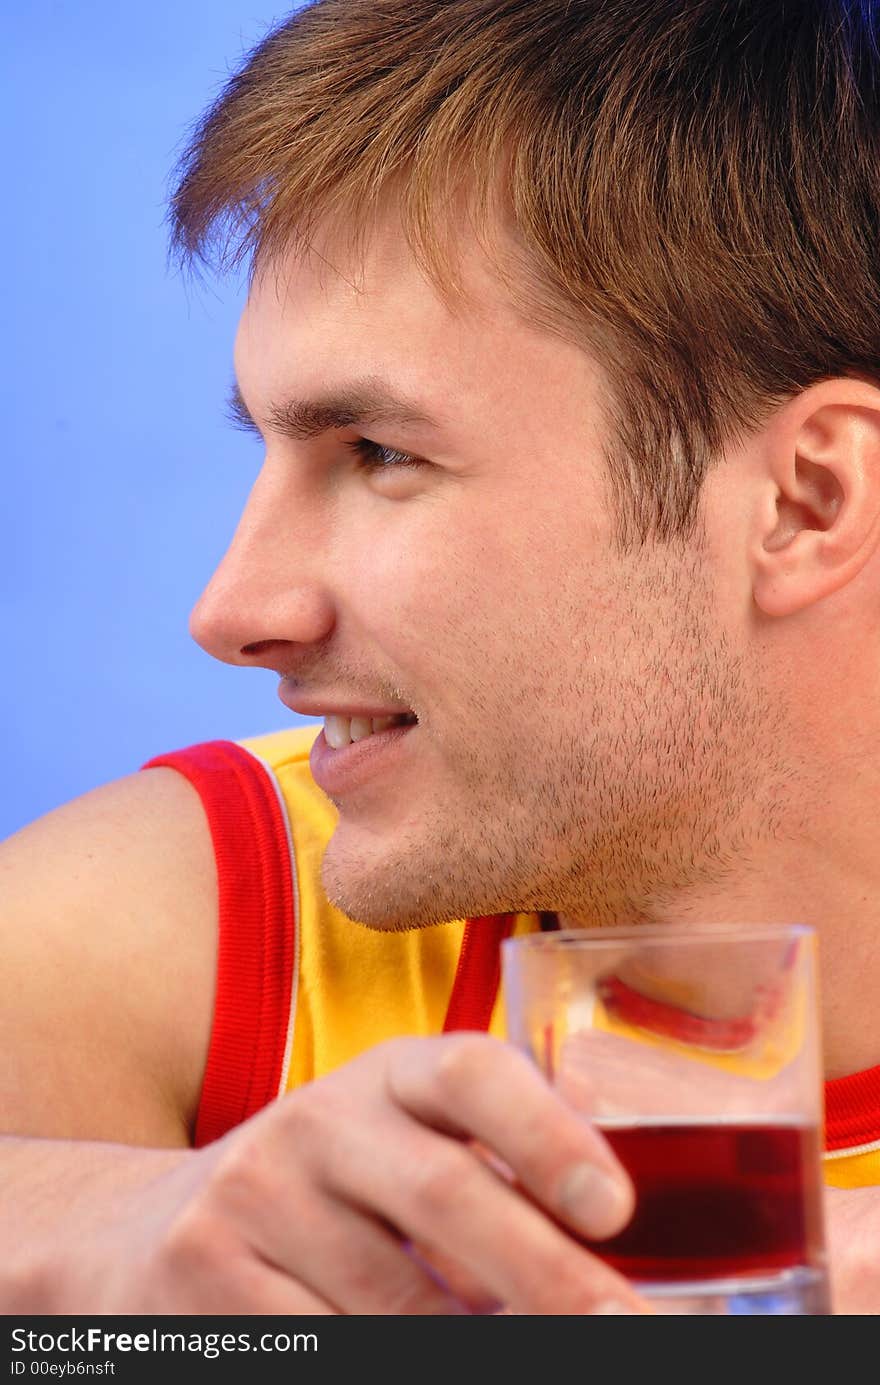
[693, 187]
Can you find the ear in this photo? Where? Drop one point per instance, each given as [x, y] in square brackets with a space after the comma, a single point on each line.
[818, 522]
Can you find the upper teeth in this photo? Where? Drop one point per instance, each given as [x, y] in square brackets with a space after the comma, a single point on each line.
[341, 731]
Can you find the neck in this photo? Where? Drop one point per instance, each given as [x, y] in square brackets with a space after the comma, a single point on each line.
[827, 874]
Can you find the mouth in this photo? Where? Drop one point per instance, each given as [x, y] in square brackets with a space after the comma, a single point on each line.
[352, 751]
[342, 731]
[359, 740]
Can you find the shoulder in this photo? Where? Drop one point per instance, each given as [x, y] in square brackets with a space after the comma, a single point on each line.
[108, 923]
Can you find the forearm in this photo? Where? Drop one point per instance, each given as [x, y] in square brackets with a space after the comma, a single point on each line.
[61, 1201]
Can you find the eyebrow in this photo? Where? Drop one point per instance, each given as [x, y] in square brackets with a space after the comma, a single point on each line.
[364, 403]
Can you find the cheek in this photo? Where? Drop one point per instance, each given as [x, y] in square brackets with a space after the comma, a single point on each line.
[432, 596]
[454, 590]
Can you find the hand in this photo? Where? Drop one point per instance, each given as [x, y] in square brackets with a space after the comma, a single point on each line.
[454, 1145]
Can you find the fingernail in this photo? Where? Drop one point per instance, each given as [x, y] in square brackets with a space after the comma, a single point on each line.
[594, 1201]
[612, 1305]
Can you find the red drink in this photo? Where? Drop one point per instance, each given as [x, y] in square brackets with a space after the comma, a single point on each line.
[716, 1201]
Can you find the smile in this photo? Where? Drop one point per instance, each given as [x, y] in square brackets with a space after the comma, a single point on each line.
[346, 756]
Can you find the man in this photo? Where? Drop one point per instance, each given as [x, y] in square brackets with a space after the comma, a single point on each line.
[564, 341]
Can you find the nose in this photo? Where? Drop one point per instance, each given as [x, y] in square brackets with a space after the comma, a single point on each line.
[267, 591]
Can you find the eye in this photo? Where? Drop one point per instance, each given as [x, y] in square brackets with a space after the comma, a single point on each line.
[374, 457]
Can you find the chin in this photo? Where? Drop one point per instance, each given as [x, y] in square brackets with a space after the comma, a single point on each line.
[376, 900]
[396, 885]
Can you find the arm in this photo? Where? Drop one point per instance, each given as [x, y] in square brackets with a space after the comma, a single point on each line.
[108, 928]
[108, 936]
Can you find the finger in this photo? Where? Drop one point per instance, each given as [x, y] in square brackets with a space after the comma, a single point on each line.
[479, 1086]
[345, 1256]
[460, 1281]
[441, 1196]
[202, 1276]
[265, 1289]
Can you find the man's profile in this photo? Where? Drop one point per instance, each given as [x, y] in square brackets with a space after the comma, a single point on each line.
[563, 340]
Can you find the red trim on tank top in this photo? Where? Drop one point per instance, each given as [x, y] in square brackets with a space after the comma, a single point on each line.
[852, 1110]
[256, 932]
[478, 972]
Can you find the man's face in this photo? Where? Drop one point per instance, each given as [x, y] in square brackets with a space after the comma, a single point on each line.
[582, 714]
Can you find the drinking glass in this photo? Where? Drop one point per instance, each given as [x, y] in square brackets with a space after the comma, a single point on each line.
[696, 1051]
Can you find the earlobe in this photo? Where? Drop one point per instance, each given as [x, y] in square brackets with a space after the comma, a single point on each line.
[819, 521]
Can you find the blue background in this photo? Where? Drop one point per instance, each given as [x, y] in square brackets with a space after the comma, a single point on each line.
[122, 480]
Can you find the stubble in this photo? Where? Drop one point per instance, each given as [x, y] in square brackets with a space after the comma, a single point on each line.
[602, 772]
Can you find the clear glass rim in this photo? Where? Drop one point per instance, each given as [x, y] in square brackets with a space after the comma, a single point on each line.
[674, 933]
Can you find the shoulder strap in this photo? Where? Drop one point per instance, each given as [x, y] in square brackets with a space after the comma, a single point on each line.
[256, 932]
[478, 972]
[852, 1111]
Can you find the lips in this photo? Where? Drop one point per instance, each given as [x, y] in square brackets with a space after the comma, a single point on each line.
[339, 772]
[318, 706]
